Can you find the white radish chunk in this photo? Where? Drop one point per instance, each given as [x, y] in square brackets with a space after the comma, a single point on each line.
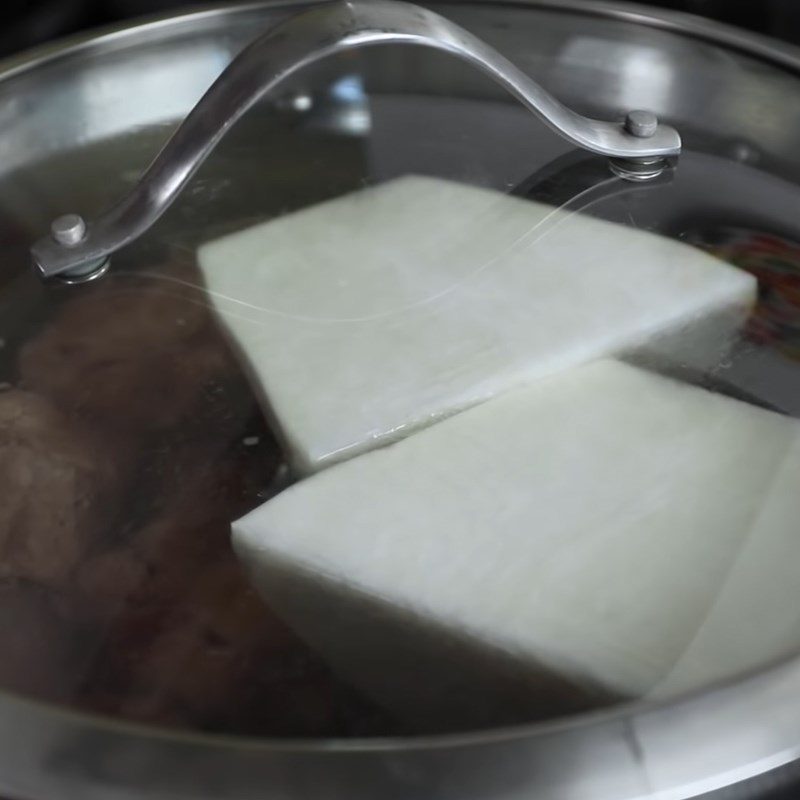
[581, 529]
[367, 317]
[755, 618]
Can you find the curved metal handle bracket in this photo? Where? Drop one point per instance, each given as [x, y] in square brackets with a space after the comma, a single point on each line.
[79, 251]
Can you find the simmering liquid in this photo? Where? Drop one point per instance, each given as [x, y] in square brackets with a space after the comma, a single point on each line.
[130, 439]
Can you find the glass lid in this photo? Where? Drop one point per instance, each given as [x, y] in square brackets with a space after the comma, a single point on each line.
[407, 415]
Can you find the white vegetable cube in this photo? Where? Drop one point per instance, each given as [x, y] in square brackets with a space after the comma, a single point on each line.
[755, 617]
[581, 529]
[372, 315]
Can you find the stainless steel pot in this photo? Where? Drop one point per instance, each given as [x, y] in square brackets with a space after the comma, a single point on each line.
[79, 121]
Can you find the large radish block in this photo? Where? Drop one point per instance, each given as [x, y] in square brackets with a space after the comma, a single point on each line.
[755, 618]
[367, 317]
[561, 543]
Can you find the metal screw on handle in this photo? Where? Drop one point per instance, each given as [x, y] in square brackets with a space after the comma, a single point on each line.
[69, 231]
[642, 124]
[638, 147]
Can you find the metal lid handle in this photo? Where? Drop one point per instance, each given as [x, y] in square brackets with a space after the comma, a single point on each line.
[639, 141]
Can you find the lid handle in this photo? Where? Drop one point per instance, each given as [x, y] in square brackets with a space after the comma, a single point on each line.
[637, 146]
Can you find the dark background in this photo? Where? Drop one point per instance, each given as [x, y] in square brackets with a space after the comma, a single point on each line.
[27, 22]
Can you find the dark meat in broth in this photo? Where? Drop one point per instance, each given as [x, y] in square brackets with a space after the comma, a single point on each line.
[129, 353]
[60, 483]
[138, 440]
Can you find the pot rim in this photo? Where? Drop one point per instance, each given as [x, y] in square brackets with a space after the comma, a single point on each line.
[763, 48]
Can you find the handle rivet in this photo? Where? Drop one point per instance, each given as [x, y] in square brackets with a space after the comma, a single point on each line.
[641, 124]
[68, 230]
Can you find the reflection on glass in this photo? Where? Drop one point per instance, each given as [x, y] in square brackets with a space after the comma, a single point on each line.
[562, 481]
